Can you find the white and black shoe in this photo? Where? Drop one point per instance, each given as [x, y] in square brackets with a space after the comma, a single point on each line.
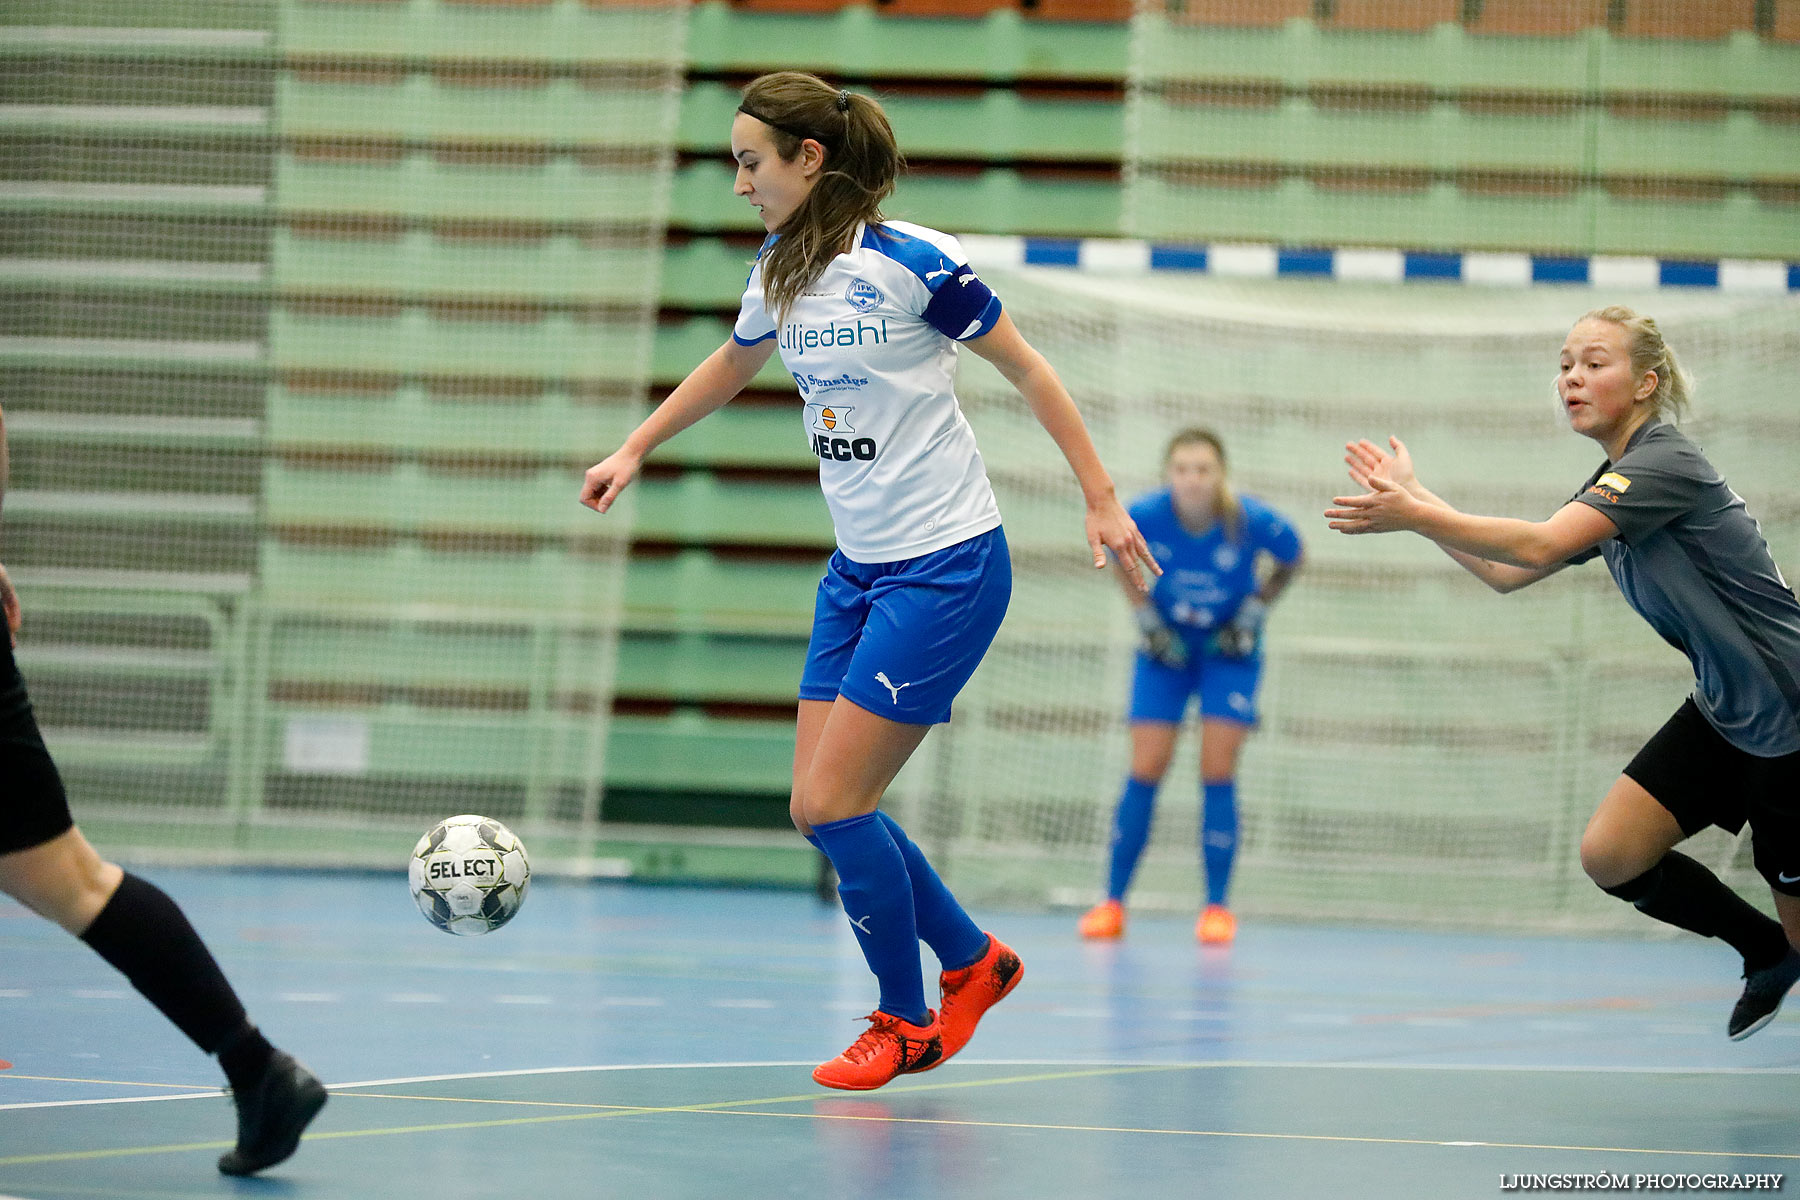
[1763, 993]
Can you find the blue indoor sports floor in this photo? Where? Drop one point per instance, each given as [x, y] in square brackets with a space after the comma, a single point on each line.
[655, 1042]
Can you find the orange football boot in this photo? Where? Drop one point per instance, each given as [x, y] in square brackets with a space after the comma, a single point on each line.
[889, 1047]
[970, 992]
[1216, 926]
[1103, 923]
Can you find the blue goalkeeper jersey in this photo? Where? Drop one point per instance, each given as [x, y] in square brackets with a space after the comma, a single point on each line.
[1207, 575]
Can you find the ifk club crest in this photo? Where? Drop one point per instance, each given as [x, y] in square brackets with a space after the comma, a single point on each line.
[862, 295]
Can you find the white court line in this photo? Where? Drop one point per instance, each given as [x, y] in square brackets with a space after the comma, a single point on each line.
[215, 1094]
[1237, 1064]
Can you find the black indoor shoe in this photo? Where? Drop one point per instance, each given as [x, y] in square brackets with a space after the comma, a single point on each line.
[271, 1115]
[1763, 992]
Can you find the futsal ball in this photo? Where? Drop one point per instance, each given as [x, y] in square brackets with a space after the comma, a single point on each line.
[469, 875]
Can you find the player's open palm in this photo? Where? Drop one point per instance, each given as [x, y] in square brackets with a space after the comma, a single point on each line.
[607, 478]
[1366, 461]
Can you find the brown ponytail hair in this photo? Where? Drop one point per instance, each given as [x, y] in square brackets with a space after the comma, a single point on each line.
[862, 161]
[1669, 402]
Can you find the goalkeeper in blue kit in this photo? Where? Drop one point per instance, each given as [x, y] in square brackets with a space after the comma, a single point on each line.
[1225, 557]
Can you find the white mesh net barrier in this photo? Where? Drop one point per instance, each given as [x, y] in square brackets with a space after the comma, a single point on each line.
[317, 306]
[1429, 750]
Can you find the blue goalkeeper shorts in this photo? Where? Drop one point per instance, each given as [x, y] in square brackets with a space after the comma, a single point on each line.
[1226, 687]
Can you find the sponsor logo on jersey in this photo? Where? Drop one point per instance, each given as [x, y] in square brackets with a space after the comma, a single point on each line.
[816, 384]
[840, 449]
[799, 338]
[1610, 487]
[829, 418]
[862, 295]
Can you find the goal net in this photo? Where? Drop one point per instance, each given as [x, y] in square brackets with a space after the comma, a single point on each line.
[1429, 750]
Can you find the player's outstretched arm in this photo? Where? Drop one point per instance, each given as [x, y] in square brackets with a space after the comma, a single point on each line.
[708, 388]
[1109, 526]
[1368, 461]
[1536, 545]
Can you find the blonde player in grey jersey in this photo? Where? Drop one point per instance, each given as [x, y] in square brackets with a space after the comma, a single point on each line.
[1693, 563]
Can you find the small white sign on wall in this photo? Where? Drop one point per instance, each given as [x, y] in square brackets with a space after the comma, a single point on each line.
[326, 746]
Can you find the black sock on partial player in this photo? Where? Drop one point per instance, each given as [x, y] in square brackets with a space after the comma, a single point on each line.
[144, 934]
[1679, 891]
[245, 1056]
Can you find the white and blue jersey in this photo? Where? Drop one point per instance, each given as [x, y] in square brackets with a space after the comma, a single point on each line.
[871, 344]
[1207, 575]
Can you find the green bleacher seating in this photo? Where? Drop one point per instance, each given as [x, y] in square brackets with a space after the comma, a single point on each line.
[421, 264]
[857, 42]
[545, 111]
[422, 186]
[996, 124]
[562, 31]
[553, 344]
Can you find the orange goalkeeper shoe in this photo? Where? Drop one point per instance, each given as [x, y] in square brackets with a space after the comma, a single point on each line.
[1103, 923]
[970, 992]
[1216, 926]
[889, 1047]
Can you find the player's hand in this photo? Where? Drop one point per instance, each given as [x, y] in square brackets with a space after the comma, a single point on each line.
[1385, 508]
[1159, 641]
[1110, 527]
[607, 478]
[1367, 460]
[9, 602]
[1242, 635]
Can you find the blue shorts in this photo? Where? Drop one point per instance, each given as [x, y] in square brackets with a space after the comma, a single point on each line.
[902, 638]
[1226, 687]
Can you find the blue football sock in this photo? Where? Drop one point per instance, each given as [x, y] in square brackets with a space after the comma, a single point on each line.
[878, 899]
[1219, 838]
[1131, 831]
[942, 923]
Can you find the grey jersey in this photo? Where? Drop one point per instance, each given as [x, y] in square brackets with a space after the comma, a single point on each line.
[1694, 564]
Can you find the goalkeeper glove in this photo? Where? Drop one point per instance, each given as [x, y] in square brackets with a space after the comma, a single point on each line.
[1242, 635]
[1160, 642]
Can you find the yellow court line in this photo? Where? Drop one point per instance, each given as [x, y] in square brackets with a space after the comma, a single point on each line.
[738, 1107]
[486, 1100]
[444, 1127]
[1234, 1133]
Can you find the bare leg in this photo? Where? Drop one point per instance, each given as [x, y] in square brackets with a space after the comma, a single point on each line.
[64, 880]
[1627, 835]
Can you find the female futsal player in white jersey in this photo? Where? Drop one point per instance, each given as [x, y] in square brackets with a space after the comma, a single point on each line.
[1693, 563]
[867, 314]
